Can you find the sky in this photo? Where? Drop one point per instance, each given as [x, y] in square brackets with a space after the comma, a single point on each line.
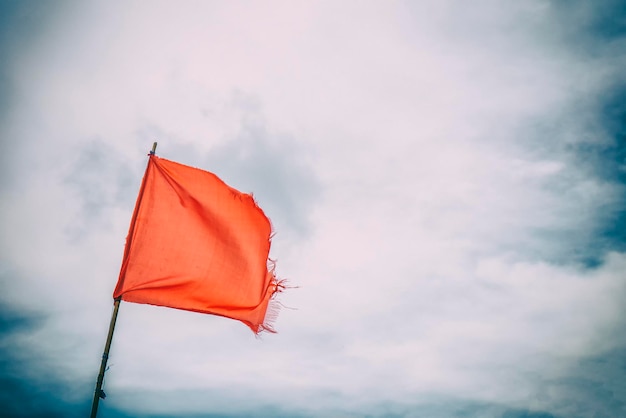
[446, 180]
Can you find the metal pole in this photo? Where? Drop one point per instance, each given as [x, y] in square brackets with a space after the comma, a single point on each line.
[99, 393]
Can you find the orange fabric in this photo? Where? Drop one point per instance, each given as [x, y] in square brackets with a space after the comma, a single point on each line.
[197, 244]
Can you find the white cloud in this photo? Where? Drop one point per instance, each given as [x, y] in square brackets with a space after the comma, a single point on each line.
[435, 260]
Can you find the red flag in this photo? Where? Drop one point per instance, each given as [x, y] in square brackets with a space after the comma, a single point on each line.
[197, 244]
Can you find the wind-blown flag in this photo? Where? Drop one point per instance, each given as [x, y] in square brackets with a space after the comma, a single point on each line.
[197, 244]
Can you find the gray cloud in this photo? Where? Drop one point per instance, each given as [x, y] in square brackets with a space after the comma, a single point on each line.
[102, 180]
[276, 168]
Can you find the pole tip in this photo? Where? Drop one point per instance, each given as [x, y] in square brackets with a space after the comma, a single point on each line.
[154, 145]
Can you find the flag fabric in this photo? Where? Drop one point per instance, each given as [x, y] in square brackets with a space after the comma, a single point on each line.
[197, 244]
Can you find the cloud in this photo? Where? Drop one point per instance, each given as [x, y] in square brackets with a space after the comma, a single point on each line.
[102, 180]
[276, 168]
[446, 181]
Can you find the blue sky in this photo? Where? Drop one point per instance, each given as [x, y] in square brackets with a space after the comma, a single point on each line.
[447, 182]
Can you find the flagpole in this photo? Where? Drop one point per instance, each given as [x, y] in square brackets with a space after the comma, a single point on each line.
[99, 393]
